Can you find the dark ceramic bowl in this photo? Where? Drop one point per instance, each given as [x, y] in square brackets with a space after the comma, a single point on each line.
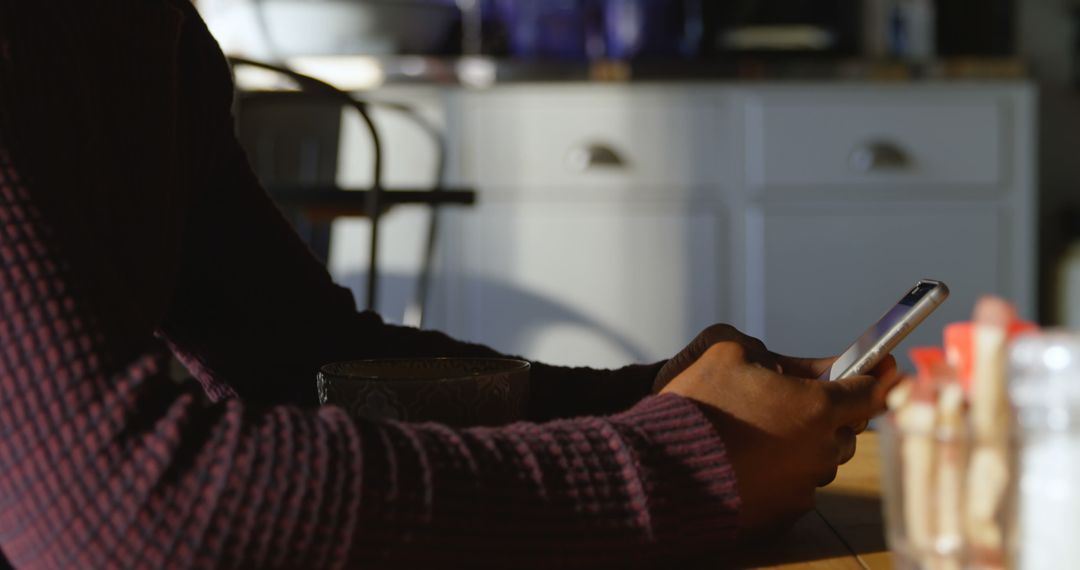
[455, 391]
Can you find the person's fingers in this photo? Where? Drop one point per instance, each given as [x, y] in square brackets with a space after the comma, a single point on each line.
[728, 353]
[804, 367]
[856, 399]
[816, 367]
[689, 355]
[672, 368]
[756, 351]
[828, 477]
[842, 450]
[885, 369]
[887, 375]
[764, 358]
[846, 444]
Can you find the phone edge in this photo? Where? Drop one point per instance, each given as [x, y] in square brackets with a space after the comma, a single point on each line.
[892, 338]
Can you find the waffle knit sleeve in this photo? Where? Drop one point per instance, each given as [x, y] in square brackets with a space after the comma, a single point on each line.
[106, 463]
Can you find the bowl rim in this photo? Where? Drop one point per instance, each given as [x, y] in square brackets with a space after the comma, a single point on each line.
[513, 365]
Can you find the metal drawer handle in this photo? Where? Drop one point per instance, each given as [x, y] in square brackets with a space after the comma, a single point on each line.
[592, 156]
[879, 156]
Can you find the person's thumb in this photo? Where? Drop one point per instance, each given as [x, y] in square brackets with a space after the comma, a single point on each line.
[858, 398]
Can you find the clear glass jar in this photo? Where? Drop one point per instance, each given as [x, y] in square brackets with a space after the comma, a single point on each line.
[1044, 389]
[924, 471]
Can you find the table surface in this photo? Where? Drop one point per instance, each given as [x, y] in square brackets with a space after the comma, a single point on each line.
[845, 531]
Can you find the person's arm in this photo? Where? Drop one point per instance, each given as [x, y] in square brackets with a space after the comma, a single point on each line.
[254, 309]
[105, 462]
[112, 464]
[103, 465]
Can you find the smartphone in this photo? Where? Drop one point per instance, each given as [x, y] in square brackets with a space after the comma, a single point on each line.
[881, 338]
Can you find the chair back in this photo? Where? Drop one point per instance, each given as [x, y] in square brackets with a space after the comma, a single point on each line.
[292, 140]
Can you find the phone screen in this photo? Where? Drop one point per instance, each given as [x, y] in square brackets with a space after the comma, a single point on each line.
[889, 330]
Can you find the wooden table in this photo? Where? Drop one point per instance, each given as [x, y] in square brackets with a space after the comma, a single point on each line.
[845, 531]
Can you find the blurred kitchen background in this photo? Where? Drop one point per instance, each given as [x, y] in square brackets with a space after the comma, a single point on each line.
[591, 182]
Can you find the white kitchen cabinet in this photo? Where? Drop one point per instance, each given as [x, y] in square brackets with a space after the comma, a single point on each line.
[820, 274]
[832, 235]
[827, 137]
[594, 141]
[599, 284]
[595, 241]
[614, 221]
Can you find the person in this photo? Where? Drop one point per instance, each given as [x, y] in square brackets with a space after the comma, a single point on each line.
[132, 226]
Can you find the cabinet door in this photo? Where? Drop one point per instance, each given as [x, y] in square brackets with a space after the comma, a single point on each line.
[589, 284]
[818, 276]
[875, 140]
[402, 241]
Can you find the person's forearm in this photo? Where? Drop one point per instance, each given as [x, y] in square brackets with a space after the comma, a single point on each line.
[105, 466]
[105, 462]
[252, 306]
[555, 391]
[562, 392]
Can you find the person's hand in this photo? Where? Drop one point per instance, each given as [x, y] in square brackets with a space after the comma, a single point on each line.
[755, 352]
[785, 435]
[816, 367]
[885, 371]
[758, 354]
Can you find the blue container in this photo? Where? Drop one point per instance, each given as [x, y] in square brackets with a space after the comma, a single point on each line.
[545, 29]
[652, 28]
[596, 29]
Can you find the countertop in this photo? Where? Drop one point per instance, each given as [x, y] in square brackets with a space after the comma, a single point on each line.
[368, 72]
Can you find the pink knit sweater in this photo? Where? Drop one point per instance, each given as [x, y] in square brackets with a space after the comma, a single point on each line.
[130, 221]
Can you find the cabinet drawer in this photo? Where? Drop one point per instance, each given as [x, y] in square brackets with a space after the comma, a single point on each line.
[855, 280]
[868, 138]
[606, 139]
